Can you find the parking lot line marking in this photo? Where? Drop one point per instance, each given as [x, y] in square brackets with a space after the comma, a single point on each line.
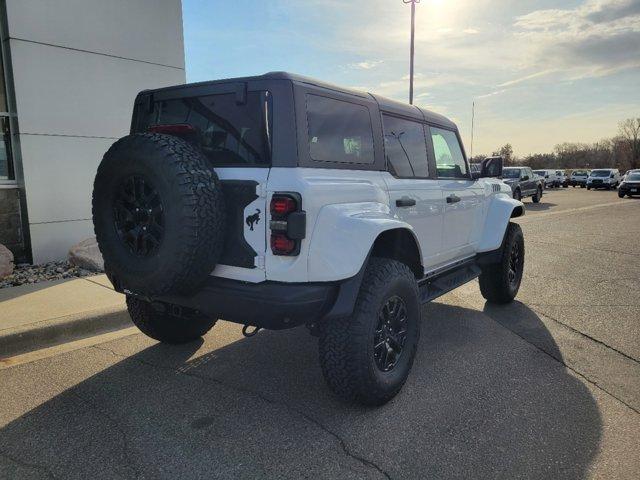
[576, 209]
[48, 352]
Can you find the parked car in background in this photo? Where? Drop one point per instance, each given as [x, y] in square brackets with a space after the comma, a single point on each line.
[550, 177]
[563, 179]
[634, 170]
[544, 175]
[603, 178]
[630, 185]
[578, 178]
[523, 183]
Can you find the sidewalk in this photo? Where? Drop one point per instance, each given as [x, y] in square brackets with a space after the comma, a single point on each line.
[48, 313]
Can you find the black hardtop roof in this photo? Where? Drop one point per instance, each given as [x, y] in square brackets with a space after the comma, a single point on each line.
[386, 104]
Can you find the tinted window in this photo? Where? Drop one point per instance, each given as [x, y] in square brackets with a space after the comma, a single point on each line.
[449, 159]
[511, 172]
[228, 133]
[339, 131]
[405, 147]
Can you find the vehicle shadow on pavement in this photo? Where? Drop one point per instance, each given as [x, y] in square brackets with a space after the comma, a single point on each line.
[539, 207]
[479, 403]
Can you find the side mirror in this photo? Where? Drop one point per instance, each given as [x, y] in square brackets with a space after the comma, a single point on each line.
[491, 168]
[525, 178]
[611, 176]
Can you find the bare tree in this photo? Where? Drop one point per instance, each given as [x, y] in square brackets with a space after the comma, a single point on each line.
[506, 152]
[630, 131]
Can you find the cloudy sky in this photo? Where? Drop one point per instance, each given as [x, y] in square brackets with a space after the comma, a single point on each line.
[540, 72]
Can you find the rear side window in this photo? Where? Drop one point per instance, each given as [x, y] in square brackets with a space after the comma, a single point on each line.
[405, 147]
[228, 133]
[449, 159]
[339, 131]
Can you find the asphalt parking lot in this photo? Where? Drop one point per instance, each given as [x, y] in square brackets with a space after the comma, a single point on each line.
[547, 387]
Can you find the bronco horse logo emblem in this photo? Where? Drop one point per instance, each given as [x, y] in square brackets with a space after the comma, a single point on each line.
[253, 219]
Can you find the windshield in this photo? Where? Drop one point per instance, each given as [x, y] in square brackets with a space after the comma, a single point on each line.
[511, 172]
[579, 173]
[539, 172]
[600, 173]
[633, 177]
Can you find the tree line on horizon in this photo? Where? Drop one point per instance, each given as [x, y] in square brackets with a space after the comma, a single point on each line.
[621, 152]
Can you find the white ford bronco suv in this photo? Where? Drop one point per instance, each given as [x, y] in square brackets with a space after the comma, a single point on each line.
[277, 201]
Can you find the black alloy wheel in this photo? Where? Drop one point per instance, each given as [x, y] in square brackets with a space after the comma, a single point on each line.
[390, 334]
[138, 215]
[515, 265]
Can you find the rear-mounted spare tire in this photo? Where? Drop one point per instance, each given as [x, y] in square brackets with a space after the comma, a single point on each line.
[158, 214]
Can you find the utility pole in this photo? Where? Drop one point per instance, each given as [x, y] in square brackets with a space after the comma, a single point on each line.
[413, 36]
[473, 117]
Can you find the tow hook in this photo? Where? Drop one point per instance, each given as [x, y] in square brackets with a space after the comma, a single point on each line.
[247, 333]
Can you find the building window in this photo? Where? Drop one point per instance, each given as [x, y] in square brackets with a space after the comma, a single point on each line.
[6, 159]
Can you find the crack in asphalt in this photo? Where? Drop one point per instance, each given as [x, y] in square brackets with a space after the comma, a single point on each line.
[33, 466]
[568, 367]
[343, 444]
[587, 336]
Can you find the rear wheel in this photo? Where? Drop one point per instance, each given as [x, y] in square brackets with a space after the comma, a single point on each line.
[367, 357]
[500, 282]
[165, 327]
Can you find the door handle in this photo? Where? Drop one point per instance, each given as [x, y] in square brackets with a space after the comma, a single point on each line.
[453, 199]
[405, 202]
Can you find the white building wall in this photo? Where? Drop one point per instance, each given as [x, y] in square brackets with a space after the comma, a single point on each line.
[77, 67]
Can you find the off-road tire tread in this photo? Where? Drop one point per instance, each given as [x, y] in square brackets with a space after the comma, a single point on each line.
[201, 237]
[164, 327]
[493, 279]
[343, 341]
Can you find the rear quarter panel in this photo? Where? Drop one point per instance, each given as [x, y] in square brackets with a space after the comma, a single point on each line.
[346, 210]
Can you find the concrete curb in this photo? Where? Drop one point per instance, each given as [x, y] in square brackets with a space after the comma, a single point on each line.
[55, 331]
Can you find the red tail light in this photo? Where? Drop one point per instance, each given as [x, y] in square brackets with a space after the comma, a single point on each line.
[281, 244]
[281, 205]
[288, 223]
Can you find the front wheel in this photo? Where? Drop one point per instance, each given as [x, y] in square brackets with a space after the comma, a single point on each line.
[517, 194]
[500, 281]
[367, 356]
[536, 198]
[164, 327]
[588, 187]
[620, 194]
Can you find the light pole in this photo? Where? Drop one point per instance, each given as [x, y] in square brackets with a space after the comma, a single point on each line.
[413, 35]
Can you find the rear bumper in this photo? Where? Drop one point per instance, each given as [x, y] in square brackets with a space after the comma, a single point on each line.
[271, 305]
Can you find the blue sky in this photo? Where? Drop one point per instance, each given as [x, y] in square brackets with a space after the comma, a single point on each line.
[540, 72]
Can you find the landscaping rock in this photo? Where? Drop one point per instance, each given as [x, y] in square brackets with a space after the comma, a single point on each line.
[6, 262]
[26, 274]
[86, 254]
